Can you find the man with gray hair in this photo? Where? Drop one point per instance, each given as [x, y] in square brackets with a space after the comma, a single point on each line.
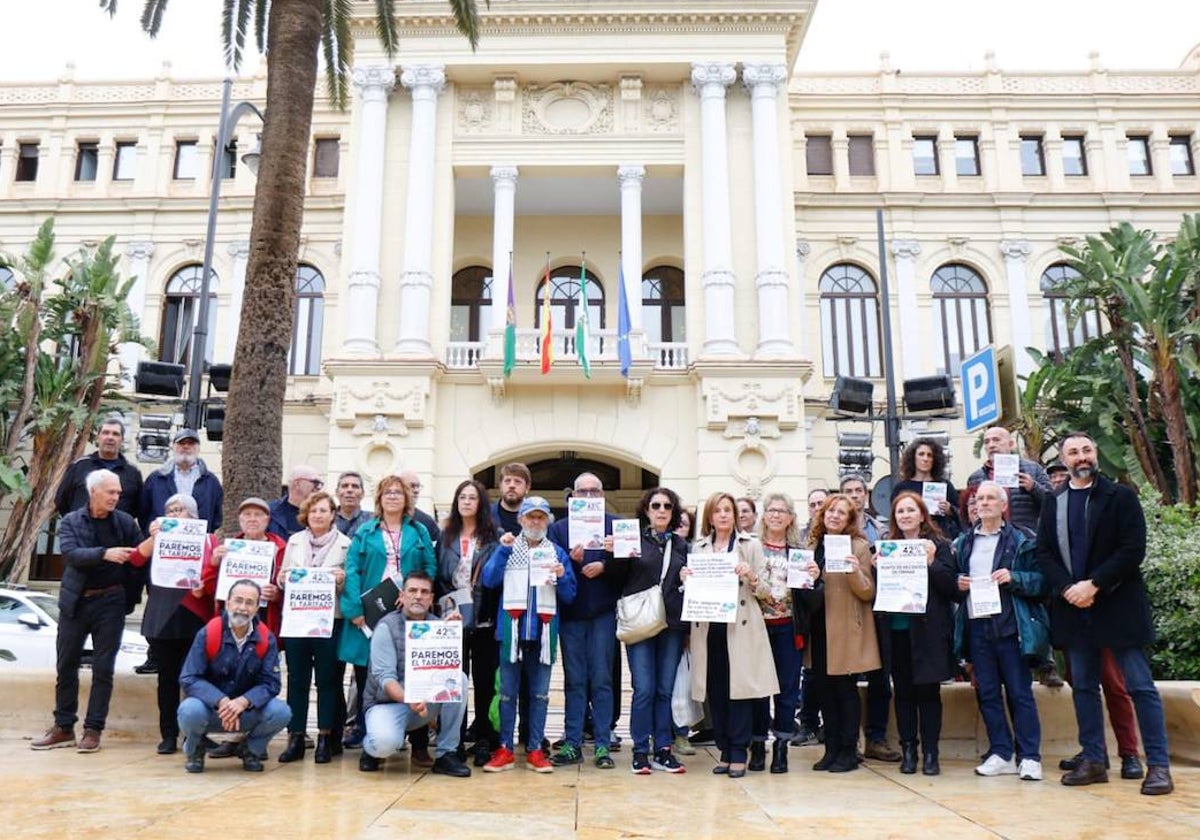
[97, 541]
[413, 482]
[72, 493]
[285, 511]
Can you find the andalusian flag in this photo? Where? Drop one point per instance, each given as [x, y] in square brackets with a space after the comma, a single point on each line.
[547, 326]
[510, 325]
[583, 332]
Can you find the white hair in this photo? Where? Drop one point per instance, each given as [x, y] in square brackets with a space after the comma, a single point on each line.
[993, 485]
[97, 477]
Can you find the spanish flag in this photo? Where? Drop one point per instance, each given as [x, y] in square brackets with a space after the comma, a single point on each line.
[547, 325]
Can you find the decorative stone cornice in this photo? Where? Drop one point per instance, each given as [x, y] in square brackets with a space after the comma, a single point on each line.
[139, 250]
[905, 249]
[803, 249]
[1015, 249]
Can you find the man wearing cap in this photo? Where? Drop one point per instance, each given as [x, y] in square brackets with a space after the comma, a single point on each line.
[185, 473]
[1058, 474]
[527, 628]
[285, 510]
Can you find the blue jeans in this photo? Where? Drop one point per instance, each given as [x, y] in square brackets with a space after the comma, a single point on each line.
[387, 724]
[588, 648]
[530, 671]
[1085, 687]
[998, 664]
[197, 719]
[652, 666]
[788, 662]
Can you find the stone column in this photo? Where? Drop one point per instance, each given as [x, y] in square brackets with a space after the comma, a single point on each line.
[710, 81]
[1015, 251]
[630, 177]
[504, 191]
[240, 252]
[373, 83]
[416, 286]
[905, 253]
[763, 82]
[138, 254]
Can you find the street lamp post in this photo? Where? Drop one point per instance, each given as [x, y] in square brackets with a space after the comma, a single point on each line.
[229, 119]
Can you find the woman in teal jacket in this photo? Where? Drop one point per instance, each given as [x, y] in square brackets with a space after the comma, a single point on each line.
[390, 545]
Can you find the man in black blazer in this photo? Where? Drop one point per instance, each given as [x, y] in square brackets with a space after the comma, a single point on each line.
[1091, 543]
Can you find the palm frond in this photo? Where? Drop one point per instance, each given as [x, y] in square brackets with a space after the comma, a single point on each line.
[152, 14]
[385, 26]
[260, 24]
[337, 47]
[466, 19]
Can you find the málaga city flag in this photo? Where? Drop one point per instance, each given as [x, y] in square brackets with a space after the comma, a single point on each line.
[510, 325]
[583, 332]
[624, 351]
[547, 327]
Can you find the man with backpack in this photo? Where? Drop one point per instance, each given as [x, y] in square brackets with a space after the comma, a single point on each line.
[231, 679]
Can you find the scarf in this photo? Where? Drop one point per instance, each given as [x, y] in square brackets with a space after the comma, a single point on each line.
[516, 603]
[319, 548]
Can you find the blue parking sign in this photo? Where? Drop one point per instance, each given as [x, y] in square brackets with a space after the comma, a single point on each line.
[981, 392]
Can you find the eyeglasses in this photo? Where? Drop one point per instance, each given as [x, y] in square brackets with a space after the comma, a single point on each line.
[661, 506]
[315, 482]
[778, 512]
[589, 491]
[396, 492]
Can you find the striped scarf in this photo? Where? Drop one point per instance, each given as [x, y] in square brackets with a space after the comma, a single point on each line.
[516, 603]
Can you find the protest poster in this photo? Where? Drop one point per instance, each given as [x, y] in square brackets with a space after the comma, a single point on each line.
[433, 667]
[837, 549]
[710, 592]
[901, 576]
[249, 559]
[178, 553]
[798, 576]
[1005, 469]
[542, 560]
[585, 522]
[984, 597]
[308, 603]
[627, 540]
[933, 493]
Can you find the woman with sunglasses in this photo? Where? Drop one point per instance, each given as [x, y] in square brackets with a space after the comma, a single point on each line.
[731, 663]
[653, 661]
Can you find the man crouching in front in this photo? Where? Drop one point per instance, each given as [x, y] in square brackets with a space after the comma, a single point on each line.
[231, 679]
[388, 713]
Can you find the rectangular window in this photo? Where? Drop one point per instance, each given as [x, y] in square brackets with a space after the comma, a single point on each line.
[1181, 155]
[228, 160]
[966, 155]
[125, 161]
[1137, 152]
[187, 160]
[27, 162]
[326, 152]
[818, 150]
[862, 154]
[87, 159]
[1073, 156]
[925, 161]
[1033, 159]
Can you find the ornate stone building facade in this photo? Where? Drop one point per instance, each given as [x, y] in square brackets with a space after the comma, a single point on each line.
[645, 143]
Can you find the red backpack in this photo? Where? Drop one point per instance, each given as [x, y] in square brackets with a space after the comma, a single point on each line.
[212, 639]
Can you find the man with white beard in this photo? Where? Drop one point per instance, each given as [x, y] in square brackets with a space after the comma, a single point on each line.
[231, 679]
[185, 473]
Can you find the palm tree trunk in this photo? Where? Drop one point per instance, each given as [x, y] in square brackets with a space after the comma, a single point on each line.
[252, 459]
[1170, 391]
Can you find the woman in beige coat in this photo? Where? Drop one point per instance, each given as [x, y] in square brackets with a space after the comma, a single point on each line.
[731, 663]
[843, 632]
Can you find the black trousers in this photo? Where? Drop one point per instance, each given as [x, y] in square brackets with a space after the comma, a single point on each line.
[838, 695]
[481, 662]
[169, 654]
[918, 705]
[103, 618]
[732, 719]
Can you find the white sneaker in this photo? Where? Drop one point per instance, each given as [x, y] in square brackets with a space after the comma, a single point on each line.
[997, 766]
[1031, 771]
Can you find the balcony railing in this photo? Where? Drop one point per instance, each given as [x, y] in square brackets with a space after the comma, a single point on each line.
[602, 349]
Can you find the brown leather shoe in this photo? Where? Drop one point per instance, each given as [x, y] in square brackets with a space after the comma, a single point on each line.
[90, 742]
[421, 758]
[55, 738]
[1087, 773]
[881, 751]
[1158, 781]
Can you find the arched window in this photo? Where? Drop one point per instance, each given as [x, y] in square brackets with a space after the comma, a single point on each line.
[662, 304]
[849, 322]
[304, 358]
[960, 311]
[470, 303]
[179, 315]
[1061, 335]
[7, 279]
[565, 306]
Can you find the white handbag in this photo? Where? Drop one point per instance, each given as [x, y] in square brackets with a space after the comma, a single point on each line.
[643, 615]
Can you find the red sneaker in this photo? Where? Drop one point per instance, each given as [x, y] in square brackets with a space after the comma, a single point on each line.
[502, 759]
[538, 763]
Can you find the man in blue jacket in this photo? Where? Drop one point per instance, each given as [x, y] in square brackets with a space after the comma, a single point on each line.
[186, 473]
[589, 637]
[231, 679]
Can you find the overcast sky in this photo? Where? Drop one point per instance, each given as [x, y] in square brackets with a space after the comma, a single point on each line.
[41, 36]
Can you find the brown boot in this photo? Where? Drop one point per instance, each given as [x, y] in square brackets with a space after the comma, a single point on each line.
[881, 751]
[55, 738]
[90, 742]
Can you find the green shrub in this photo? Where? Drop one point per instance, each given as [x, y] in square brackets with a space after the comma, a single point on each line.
[1172, 571]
